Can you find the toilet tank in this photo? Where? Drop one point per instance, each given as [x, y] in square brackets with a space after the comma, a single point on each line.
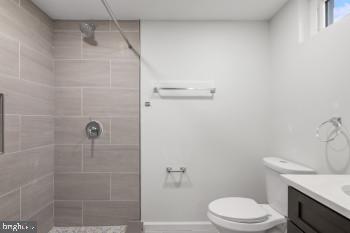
[277, 190]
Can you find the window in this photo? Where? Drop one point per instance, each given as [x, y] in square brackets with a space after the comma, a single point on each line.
[336, 10]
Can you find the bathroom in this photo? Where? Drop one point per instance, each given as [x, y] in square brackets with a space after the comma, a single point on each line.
[159, 116]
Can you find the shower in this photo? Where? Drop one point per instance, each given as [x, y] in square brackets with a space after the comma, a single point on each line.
[88, 29]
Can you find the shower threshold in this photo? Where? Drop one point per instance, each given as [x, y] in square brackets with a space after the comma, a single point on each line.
[132, 227]
[90, 229]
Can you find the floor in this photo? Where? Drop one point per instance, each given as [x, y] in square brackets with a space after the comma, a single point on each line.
[101, 229]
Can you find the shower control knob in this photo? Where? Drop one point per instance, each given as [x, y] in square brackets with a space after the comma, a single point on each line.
[93, 129]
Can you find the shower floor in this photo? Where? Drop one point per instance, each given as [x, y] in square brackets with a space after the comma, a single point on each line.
[99, 229]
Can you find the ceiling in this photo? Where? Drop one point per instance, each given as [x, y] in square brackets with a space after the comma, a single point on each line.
[163, 9]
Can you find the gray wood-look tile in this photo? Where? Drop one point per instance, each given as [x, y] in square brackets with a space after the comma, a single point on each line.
[127, 26]
[68, 213]
[125, 72]
[71, 130]
[37, 131]
[12, 134]
[125, 187]
[82, 73]
[17, 22]
[36, 67]
[110, 102]
[27, 98]
[66, 52]
[67, 45]
[67, 39]
[74, 25]
[10, 206]
[44, 219]
[20, 168]
[68, 158]
[125, 131]
[111, 45]
[111, 158]
[68, 101]
[85, 186]
[36, 12]
[9, 58]
[16, 2]
[104, 213]
[36, 195]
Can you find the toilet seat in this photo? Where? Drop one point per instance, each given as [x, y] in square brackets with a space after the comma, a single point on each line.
[238, 209]
[274, 219]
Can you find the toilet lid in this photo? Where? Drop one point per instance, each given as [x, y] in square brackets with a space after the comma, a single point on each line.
[237, 209]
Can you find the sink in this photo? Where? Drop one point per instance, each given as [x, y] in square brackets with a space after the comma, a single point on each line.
[346, 189]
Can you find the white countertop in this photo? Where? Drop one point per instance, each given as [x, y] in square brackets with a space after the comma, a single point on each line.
[326, 189]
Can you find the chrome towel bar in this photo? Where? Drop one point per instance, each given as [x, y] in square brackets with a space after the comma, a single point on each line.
[157, 89]
[171, 170]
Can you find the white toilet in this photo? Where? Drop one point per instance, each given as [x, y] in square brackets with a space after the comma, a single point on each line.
[239, 215]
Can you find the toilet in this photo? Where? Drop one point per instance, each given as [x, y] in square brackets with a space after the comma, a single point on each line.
[239, 214]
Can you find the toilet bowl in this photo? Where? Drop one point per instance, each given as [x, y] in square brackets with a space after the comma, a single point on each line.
[242, 215]
[238, 215]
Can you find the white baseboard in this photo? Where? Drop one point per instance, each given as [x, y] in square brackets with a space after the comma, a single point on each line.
[178, 227]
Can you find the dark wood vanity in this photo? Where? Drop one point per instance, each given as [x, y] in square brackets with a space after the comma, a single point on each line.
[305, 215]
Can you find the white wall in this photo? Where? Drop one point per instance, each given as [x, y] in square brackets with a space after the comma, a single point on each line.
[310, 84]
[221, 141]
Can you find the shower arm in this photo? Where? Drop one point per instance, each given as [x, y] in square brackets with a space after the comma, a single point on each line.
[112, 15]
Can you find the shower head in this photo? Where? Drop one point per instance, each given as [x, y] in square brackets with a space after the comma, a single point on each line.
[88, 29]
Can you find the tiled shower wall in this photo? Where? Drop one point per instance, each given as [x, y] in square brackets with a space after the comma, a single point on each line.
[27, 79]
[96, 184]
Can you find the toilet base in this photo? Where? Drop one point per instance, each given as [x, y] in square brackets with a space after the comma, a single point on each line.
[278, 229]
[224, 230]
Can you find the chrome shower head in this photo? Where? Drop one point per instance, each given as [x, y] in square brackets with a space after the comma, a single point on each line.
[88, 29]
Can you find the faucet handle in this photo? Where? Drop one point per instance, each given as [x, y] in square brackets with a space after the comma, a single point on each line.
[93, 129]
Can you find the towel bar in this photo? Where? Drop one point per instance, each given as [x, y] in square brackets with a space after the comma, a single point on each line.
[157, 89]
[171, 170]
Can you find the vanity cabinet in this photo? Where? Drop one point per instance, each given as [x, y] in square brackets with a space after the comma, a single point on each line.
[305, 215]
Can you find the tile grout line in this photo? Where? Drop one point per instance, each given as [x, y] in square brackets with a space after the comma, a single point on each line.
[11, 191]
[82, 59]
[81, 101]
[20, 203]
[110, 73]
[20, 133]
[53, 183]
[106, 200]
[100, 87]
[9, 37]
[13, 39]
[37, 180]
[110, 131]
[101, 173]
[19, 59]
[110, 186]
[82, 212]
[81, 45]
[125, 146]
[82, 158]
[29, 82]
[41, 209]
[29, 149]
